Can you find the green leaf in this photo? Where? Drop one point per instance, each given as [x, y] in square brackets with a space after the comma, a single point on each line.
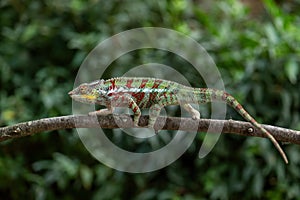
[272, 34]
[66, 164]
[86, 175]
[292, 70]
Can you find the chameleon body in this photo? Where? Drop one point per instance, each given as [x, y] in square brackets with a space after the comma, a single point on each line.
[140, 93]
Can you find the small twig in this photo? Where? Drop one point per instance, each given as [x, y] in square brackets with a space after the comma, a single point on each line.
[125, 121]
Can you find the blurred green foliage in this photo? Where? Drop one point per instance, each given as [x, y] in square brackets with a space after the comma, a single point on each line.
[43, 44]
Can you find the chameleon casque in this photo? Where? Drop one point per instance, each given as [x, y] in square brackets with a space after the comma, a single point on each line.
[138, 93]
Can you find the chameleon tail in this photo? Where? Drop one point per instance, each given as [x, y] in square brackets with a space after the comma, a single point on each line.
[208, 95]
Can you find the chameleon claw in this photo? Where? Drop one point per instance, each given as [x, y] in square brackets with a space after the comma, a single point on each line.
[196, 117]
[195, 113]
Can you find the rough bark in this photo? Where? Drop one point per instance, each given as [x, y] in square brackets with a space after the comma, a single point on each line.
[125, 121]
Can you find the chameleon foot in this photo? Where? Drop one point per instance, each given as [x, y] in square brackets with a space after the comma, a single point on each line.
[195, 113]
[196, 116]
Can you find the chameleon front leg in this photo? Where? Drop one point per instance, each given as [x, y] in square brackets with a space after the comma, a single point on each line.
[195, 113]
[106, 111]
[121, 101]
[135, 109]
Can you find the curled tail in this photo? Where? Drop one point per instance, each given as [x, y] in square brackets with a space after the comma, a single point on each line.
[209, 95]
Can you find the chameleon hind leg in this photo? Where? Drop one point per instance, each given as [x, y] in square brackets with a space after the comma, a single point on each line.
[154, 112]
[195, 113]
[156, 108]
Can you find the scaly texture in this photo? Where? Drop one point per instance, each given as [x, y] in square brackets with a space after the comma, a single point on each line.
[139, 93]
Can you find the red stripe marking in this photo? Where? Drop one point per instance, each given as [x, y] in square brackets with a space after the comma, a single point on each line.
[156, 83]
[113, 84]
[165, 95]
[129, 82]
[130, 104]
[171, 96]
[134, 109]
[152, 97]
[139, 96]
[224, 96]
[238, 107]
[141, 105]
[143, 83]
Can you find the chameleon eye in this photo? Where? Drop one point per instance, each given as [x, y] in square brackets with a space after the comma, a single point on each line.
[83, 88]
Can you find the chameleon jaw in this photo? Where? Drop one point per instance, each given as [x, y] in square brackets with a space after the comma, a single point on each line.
[83, 98]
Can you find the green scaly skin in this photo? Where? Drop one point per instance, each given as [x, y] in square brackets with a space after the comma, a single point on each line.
[139, 93]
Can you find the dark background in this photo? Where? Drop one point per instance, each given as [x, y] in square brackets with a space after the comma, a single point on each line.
[254, 44]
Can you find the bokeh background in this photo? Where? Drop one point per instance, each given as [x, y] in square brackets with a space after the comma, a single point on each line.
[255, 44]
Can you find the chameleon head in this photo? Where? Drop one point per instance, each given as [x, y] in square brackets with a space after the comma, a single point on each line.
[89, 92]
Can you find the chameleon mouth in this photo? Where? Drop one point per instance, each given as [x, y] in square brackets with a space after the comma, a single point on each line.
[71, 93]
[84, 97]
[89, 97]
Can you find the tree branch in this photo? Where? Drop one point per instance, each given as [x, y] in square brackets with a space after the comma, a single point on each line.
[125, 121]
